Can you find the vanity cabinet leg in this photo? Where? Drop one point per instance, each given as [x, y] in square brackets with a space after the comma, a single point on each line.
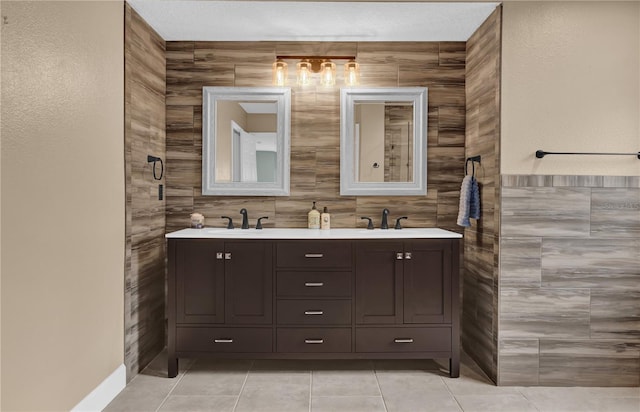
[454, 367]
[172, 366]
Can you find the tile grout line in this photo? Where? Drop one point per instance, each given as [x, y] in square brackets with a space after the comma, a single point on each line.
[451, 392]
[243, 384]
[175, 385]
[310, 387]
[375, 374]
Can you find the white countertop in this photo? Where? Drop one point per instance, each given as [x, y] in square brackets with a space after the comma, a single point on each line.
[274, 233]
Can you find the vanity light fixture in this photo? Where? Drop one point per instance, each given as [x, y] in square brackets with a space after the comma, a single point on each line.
[352, 73]
[308, 65]
[280, 72]
[303, 72]
[328, 73]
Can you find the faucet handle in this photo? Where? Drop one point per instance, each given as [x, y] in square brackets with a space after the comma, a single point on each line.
[398, 226]
[230, 224]
[370, 225]
[259, 224]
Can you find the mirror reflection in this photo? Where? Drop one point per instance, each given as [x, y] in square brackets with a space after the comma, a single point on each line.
[383, 141]
[245, 146]
[246, 141]
[383, 133]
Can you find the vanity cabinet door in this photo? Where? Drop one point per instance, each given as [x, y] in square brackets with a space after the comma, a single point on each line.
[199, 281]
[427, 281]
[249, 279]
[379, 282]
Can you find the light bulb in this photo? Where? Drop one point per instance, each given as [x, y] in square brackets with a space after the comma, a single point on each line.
[352, 73]
[304, 73]
[279, 73]
[328, 73]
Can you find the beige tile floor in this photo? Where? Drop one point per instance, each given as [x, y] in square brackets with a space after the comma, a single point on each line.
[349, 386]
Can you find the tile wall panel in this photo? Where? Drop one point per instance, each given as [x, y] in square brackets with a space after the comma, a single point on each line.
[544, 313]
[575, 289]
[145, 122]
[482, 137]
[315, 130]
[519, 361]
[545, 211]
[589, 362]
[615, 213]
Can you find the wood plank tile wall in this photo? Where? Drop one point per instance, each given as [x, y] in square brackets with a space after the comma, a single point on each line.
[569, 281]
[145, 214]
[315, 130]
[480, 268]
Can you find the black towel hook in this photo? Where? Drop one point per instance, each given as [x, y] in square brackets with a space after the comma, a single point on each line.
[473, 160]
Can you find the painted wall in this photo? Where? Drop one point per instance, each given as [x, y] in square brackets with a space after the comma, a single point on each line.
[570, 83]
[144, 125]
[62, 201]
[372, 148]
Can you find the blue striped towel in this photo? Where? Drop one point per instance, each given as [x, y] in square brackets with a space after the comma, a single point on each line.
[469, 201]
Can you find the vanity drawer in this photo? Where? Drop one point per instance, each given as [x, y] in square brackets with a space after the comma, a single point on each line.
[314, 254]
[313, 284]
[314, 312]
[302, 340]
[243, 340]
[403, 339]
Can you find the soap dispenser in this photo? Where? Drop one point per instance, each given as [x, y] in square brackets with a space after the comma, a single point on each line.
[313, 218]
[325, 219]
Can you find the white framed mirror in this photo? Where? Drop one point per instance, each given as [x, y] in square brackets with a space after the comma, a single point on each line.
[245, 141]
[383, 141]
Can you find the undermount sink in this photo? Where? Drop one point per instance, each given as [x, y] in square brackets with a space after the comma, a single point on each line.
[231, 232]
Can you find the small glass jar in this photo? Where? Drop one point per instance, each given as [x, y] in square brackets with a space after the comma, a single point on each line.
[197, 221]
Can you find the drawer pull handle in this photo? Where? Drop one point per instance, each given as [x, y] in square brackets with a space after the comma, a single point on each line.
[408, 256]
[403, 340]
[227, 256]
[313, 341]
[219, 255]
[313, 284]
[313, 312]
[223, 340]
[399, 256]
[313, 255]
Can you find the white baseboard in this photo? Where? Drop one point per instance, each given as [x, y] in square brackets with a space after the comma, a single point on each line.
[104, 393]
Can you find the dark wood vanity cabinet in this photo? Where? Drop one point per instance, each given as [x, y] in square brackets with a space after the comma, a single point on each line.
[296, 299]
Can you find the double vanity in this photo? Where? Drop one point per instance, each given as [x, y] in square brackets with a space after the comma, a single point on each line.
[313, 294]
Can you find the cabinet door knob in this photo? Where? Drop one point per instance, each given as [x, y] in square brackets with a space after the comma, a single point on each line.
[313, 312]
[313, 255]
[399, 256]
[313, 284]
[407, 255]
[403, 340]
[227, 256]
[223, 341]
[314, 341]
[219, 255]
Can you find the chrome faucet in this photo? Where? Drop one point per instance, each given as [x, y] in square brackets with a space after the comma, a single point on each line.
[384, 224]
[245, 218]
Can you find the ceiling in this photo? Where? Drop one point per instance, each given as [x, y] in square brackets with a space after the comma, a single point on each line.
[208, 20]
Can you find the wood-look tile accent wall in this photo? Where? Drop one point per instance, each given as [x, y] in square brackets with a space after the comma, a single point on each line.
[480, 267]
[145, 214]
[315, 130]
[570, 281]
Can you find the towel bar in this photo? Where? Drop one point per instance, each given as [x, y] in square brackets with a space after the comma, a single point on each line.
[541, 153]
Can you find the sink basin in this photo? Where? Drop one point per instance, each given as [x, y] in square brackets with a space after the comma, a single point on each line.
[222, 231]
